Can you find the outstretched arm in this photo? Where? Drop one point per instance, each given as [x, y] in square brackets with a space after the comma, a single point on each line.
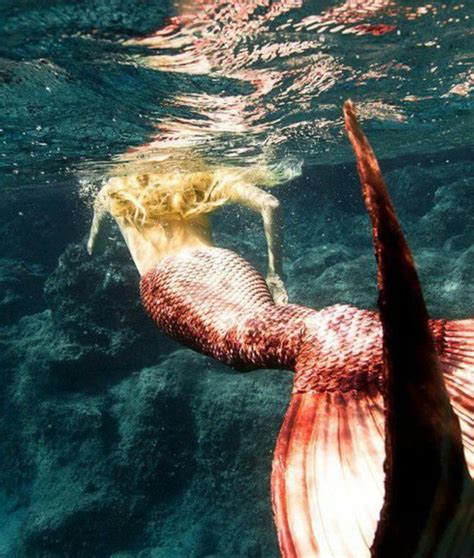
[269, 207]
[100, 212]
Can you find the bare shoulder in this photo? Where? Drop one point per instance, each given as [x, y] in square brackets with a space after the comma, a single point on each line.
[102, 197]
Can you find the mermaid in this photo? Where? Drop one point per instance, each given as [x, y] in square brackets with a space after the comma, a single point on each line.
[374, 453]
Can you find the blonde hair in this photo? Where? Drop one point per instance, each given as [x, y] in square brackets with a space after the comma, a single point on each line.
[142, 199]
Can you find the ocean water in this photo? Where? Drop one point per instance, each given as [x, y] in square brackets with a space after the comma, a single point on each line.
[115, 441]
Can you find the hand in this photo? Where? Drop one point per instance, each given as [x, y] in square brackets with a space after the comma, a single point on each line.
[277, 288]
[90, 245]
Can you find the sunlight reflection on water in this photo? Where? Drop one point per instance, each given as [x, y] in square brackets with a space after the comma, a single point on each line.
[232, 81]
[298, 66]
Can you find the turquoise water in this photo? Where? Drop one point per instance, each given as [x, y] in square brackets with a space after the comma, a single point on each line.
[236, 81]
[114, 441]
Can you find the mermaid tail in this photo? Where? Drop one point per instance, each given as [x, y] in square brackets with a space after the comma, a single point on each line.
[328, 480]
[454, 342]
[351, 406]
[426, 474]
[327, 477]
[333, 495]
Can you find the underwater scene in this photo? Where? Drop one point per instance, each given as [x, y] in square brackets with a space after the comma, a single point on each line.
[115, 440]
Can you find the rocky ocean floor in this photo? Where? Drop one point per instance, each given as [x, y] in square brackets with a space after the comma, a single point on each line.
[117, 442]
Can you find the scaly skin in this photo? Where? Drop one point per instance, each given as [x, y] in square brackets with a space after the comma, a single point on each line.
[215, 302]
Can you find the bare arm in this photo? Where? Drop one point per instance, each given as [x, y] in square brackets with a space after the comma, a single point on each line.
[100, 212]
[269, 207]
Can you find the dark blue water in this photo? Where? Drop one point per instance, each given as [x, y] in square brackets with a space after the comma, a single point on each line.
[114, 441]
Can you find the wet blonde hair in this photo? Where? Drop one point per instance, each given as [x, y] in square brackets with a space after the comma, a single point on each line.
[142, 199]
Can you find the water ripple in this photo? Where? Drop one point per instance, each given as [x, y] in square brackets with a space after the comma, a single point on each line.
[140, 81]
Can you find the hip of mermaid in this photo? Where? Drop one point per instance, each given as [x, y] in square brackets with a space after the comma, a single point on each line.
[215, 302]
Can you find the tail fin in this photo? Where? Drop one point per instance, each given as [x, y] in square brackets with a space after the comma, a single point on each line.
[425, 469]
[327, 478]
[455, 346]
[333, 495]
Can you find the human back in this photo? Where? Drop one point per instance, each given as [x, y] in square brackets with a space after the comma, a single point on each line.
[160, 214]
[169, 237]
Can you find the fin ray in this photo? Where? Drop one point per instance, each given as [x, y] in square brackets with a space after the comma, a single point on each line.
[425, 464]
[457, 362]
[327, 479]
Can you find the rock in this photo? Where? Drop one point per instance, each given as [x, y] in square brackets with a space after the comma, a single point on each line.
[21, 289]
[96, 303]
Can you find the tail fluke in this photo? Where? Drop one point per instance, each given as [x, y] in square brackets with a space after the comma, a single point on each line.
[369, 460]
[425, 470]
[455, 347]
[327, 479]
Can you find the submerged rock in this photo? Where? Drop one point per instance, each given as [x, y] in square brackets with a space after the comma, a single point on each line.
[21, 289]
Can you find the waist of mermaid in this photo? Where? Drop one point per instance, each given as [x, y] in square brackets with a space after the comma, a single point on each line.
[191, 258]
[214, 301]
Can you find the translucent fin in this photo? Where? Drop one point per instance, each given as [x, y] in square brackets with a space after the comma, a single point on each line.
[327, 480]
[457, 360]
[358, 473]
[425, 469]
